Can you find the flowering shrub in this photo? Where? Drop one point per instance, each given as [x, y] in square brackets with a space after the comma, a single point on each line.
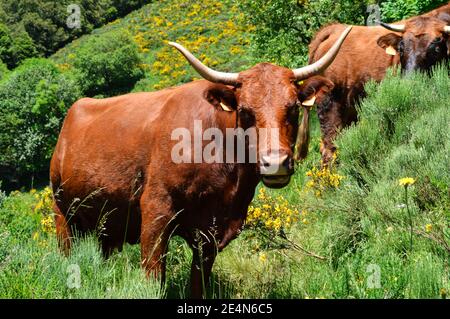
[322, 179]
[204, 28]
[272, 214]
[44, 209]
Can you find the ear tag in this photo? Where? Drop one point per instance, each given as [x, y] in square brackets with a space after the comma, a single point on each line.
[309, 102]
[225, 107]
[391, 51]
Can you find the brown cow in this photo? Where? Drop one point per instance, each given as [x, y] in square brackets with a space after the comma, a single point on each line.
[113, 171]
[366, 54]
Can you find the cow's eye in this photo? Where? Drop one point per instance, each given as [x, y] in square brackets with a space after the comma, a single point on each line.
[247, 118]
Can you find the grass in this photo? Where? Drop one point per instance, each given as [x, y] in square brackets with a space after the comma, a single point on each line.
[361, 227]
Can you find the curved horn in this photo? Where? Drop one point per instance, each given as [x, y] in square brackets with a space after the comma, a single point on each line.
[394, 27]
[447, 29]
[204, 71]
[324, 62]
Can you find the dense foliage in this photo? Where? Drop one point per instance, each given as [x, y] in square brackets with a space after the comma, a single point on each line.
[33, 102]
[395, 10]
[30, 28]
[108, 64]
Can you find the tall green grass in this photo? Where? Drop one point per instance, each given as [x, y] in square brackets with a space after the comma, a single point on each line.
[31, 265]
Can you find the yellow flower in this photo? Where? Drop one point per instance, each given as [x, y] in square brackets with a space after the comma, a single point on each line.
[407, 181]
[277, 224]
[48, 225]
[428, 228]
[390, 229]
[263, 257]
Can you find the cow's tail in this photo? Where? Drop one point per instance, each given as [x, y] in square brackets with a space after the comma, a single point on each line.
[321, 36]
[303, 136]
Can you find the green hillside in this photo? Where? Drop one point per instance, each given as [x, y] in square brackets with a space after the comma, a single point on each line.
[215, 31]
[375, 225]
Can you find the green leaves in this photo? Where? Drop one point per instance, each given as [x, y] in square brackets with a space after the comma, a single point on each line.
[33, 102]
[108, 64]
[396, 10]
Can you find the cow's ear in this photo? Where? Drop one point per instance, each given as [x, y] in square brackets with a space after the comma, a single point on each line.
[222, 97]
[312, 90]
[390, 42]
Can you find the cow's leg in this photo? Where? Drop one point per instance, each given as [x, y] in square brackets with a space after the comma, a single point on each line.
[157, 214]
[63, 232]
[202, 263]
[330, 124]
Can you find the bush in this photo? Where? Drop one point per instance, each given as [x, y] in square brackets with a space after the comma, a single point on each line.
[396, 10]
[33, 103]
[403, 132]
[15, 46]
[107, 64]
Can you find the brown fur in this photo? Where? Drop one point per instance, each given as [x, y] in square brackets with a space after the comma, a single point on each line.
[112, 171]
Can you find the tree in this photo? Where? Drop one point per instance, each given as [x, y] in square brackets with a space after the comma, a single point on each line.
[108, 64]
[34, 99]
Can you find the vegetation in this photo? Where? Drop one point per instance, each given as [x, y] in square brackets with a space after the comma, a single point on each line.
[396, 10]
[285, 28]
[32, 28]
[373, 225]
[107, 65]
[34, 99]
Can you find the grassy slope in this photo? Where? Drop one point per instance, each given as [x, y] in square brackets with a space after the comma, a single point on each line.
[213, 30]
[359, 228]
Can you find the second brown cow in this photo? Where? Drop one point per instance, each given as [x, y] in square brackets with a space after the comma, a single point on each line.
[416, 44]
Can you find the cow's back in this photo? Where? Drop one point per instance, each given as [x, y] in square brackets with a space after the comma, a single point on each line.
[360, 57]
[103, 140]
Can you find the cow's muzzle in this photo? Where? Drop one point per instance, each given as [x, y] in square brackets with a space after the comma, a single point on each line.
[276, 169]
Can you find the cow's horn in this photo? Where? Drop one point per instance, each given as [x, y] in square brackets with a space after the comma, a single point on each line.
[447, 29]
[204, 71]
[319, 66]
[394, 27]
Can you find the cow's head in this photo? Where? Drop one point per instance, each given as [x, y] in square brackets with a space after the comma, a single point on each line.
[421, 42]
[268, 98]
